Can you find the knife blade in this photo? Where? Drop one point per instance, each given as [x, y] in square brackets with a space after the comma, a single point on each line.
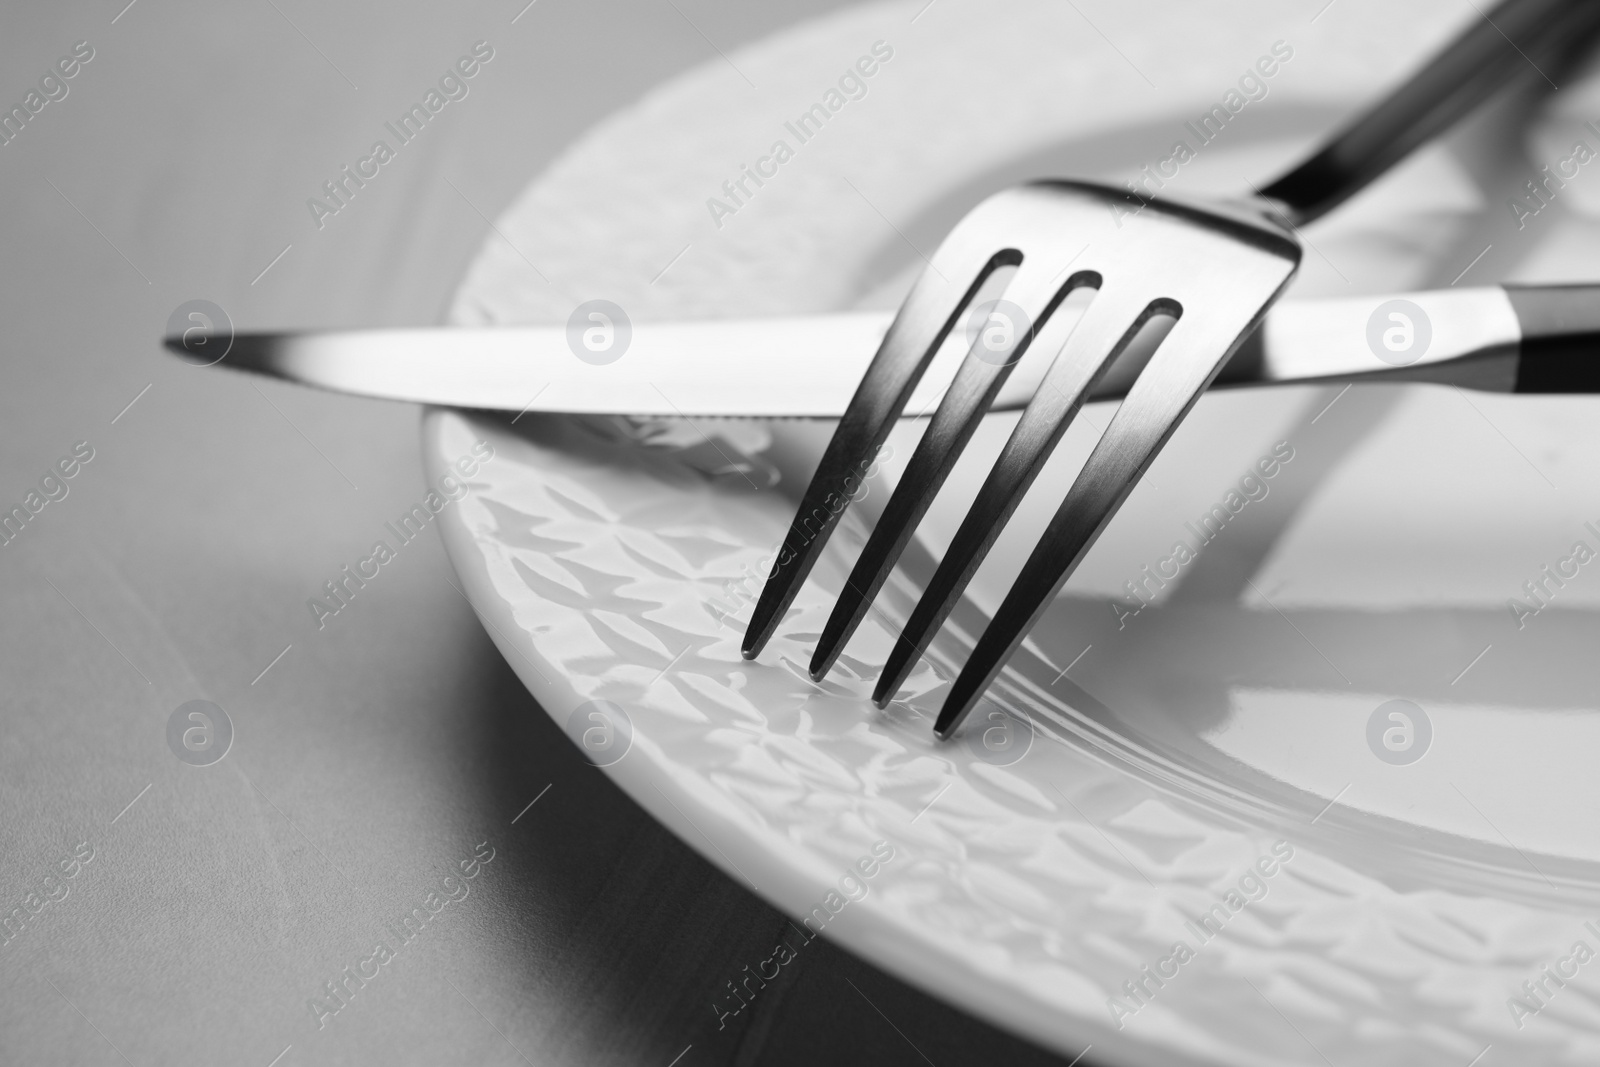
[809, 365]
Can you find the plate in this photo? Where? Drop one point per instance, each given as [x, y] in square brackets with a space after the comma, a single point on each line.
[1311, 789]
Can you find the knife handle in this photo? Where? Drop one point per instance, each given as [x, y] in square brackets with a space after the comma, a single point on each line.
[1560, 350]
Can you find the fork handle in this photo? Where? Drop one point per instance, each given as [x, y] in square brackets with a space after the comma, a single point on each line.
[1560, 347]
[1516, 40]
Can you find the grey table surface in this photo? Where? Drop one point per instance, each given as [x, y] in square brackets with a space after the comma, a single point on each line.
[371, 758]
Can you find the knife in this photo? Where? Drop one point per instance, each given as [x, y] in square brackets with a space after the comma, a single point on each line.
[1523, 339]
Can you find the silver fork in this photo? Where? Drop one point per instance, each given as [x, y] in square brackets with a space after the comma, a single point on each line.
[1214, 268]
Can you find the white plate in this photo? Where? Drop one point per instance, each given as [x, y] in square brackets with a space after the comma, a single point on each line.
[1039, 863]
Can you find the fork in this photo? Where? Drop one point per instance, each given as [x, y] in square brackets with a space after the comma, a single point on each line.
[1213, 268]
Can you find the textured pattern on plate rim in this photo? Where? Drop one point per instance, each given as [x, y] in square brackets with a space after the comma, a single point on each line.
[1043, 885]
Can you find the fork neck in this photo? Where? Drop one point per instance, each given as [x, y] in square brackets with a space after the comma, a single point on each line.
[1516, 42]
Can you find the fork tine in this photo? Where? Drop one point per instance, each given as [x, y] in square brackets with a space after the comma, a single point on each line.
[1095, 343]
[959, 267]
[1184, 364]
[969, 397]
